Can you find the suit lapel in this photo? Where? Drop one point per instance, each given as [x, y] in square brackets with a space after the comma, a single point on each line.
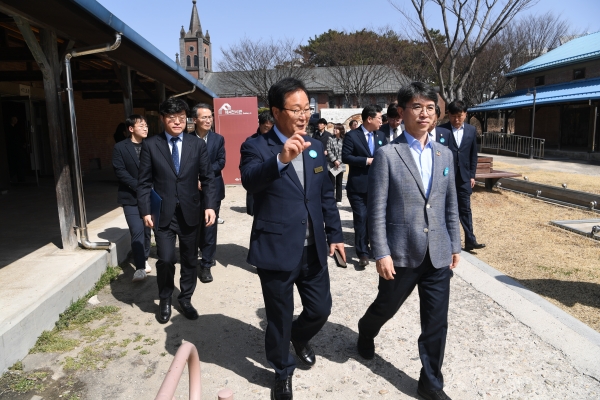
[132, 153]
[163, 146]
[437, 167]
[187, 147]
[309, 169]
[378, 137]
[363, 139]
[211, 144]
[276, 147]
[405, 154]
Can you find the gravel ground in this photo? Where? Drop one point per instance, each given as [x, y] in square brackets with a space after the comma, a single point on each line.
[489, 354]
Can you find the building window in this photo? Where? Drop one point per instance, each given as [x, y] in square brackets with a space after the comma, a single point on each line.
[189, 61]
[195, 61]
[539, 80]
[579, 73]
[204, 51]
[191, 48]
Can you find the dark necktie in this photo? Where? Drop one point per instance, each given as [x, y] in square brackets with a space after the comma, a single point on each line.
[175, 154]
[371, 143]
[395, 133]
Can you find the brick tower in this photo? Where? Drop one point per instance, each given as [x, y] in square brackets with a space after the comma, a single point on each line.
[195, 50]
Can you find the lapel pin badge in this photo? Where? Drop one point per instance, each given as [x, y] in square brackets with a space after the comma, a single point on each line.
[380, 143]
[442, 140]
[318, 169]
[446, 170]
[312, 154]
[438, 153]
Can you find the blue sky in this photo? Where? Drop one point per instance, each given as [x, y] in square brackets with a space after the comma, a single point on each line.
[227, 21]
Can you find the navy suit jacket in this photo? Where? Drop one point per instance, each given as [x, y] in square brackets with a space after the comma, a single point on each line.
[465, 157]
[355, 153]
[216, 153]
[158, 171]
[282, 207]
[126, 164]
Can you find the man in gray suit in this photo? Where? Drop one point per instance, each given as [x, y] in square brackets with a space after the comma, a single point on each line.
[414, 231]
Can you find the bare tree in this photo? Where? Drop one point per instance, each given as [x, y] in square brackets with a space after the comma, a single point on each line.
[468, 27]
[252, 67]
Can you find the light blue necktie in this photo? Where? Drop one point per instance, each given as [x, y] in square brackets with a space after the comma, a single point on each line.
[175, 153]
[371, 144]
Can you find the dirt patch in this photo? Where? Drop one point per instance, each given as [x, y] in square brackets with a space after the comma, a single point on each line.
[584, 183]
[561, 266]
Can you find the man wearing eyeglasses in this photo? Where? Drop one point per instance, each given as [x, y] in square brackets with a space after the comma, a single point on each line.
[360, 146]
[215, 144]
[172, 163]
[296, 225]
[414, 231]
[393, 127]
[461, 139]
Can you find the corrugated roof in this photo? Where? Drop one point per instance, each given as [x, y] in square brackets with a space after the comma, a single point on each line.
[577, 50]
[587, 89]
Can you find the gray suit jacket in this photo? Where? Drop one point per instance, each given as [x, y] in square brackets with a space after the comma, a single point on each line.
[402, 222]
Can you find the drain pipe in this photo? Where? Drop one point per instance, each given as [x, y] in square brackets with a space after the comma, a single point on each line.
[83, 229]
[184, 93]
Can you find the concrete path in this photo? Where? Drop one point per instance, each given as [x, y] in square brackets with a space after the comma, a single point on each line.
[503, 341]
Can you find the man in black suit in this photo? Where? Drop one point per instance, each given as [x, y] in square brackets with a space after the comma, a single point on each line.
[296, 225]
[461, 139]
[172, 163]
[215, 143]
[359, 148]
[126, 162]
[265, 123]
[321, 134]
[392, 129]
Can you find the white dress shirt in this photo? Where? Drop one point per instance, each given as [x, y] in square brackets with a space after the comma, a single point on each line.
[180, 136]
[458, 134]
[423, 158]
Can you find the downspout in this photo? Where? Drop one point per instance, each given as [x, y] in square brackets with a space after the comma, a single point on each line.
[184, 93]
[83, 229]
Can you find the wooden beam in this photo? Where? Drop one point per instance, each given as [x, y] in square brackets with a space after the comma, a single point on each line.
[47, 60]
[127, 90]
[145, 87]
[37, 76]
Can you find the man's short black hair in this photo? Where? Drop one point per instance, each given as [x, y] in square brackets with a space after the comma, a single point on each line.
[198, 107]
[132, 120]
[457, 106]
[370, 111]
[278, 91]
[173, 105]
[416, 89]
[438, 112]
[265, 117]
[353, 121]
[322, 121]
[392, 111]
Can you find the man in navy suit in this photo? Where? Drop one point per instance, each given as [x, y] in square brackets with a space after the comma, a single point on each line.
[393, 128]
[172, 163]
[358, 151]
[126, 162]
[296, 225]
[461, 139]
[215, 143]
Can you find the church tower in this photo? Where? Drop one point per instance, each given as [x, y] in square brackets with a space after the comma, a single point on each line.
[195, 50]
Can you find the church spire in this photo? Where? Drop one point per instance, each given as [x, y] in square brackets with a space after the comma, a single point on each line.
[194, 22]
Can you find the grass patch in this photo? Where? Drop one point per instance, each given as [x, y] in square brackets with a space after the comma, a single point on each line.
[149, 341]
[144, 352]
[16, 381]
[138, 337]
[76, 316]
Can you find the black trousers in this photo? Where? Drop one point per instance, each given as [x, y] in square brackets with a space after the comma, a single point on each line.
[358, 202]
[312, 281]
[463, 196]
[140, 236]
[434, 295]
[207, 238]
[188, 253]
[336, 181]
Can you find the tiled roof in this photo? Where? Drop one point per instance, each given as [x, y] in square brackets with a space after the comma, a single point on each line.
[577, 50]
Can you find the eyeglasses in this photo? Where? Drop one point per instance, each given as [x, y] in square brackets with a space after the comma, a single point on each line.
[296, 112]
[205, 118]
[418, 109]
[180, 118]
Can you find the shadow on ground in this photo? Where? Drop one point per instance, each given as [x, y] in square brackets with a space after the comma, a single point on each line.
[567, 292]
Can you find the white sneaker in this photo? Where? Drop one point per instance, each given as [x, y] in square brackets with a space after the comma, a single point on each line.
[139, 275]
[148, 267]
[220, 221]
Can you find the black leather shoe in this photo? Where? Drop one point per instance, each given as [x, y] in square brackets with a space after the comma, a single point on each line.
[205, 275]
[282, 390]
[431, 394]
[366, 347]
[363, 261]
[304, 352]
[474, 246]
[188, 310]
[164, 311]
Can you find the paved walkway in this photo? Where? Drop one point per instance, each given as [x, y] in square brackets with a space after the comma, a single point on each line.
[501, 342]
[570, 166]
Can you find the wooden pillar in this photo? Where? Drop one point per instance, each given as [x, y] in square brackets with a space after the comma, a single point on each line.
[47, 60]
[506, 115]
[127, 91]
[593, 124]
[162, 96]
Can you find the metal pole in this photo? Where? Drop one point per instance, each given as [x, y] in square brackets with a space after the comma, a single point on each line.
[532, 126]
